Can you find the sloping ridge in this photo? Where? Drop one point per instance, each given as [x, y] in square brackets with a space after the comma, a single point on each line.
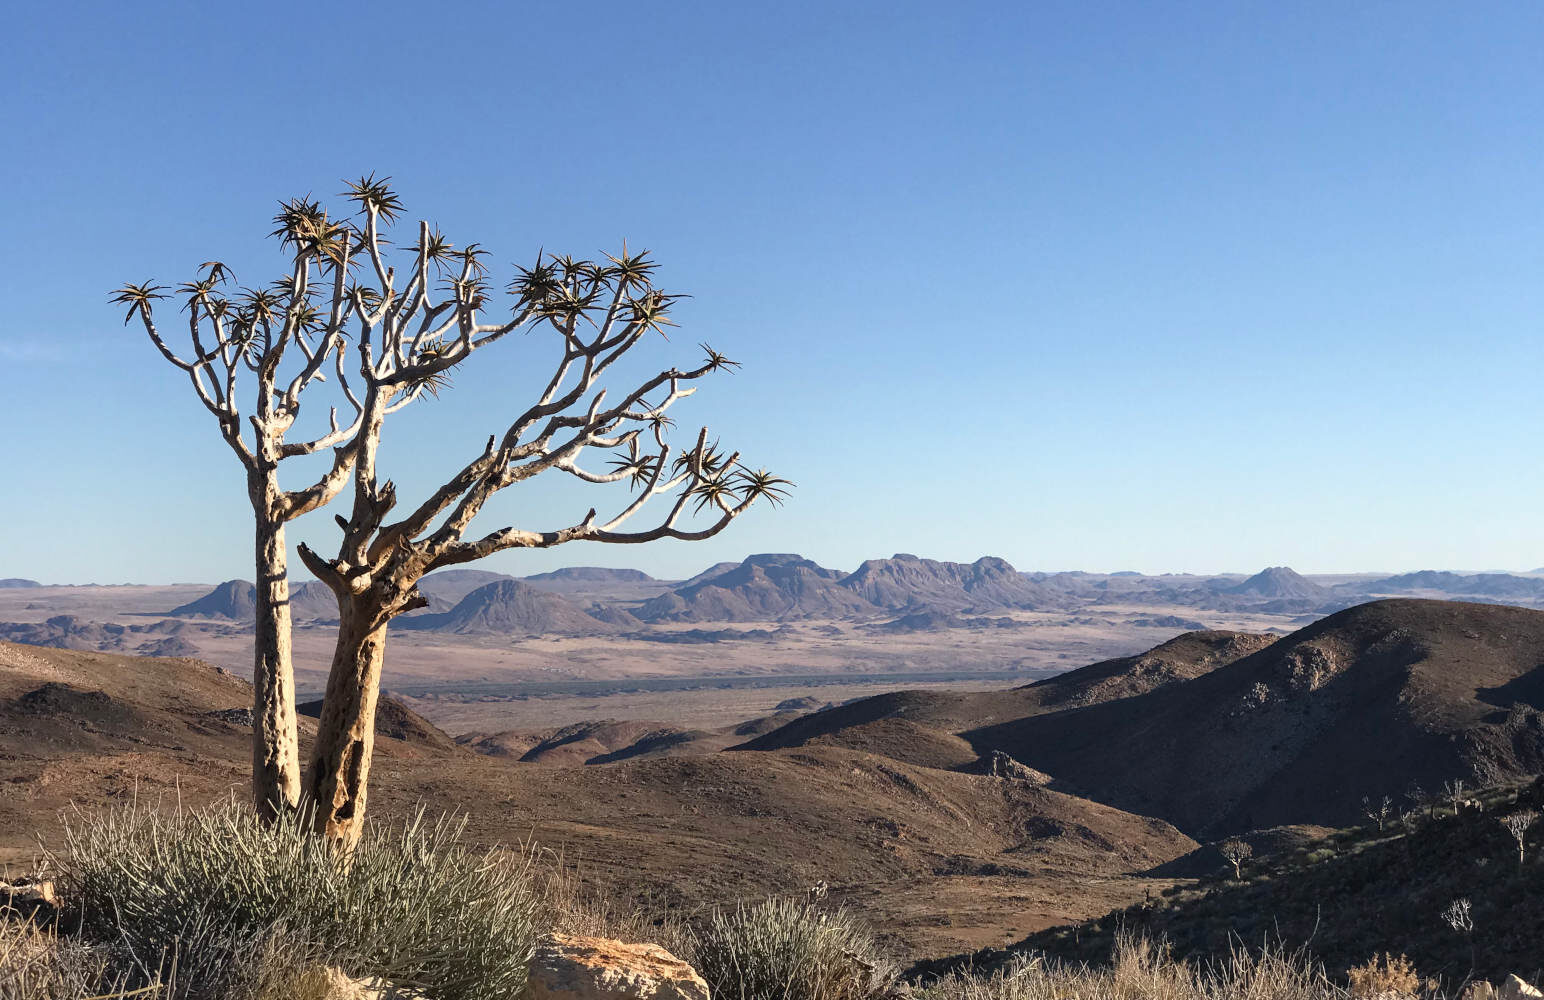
[1357, 704]
[394, 719]
[232, 599]
[507, 607]
[1493, 585]
[935, 718]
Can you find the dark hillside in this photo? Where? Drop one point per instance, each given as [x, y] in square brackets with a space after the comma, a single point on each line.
[1353, 893]
[1357, 704]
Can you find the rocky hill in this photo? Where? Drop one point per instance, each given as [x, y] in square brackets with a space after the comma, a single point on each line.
[1358, 704]
[231, 599]
[16, 582]
[72, 632]
[237, 600]
[450, 585]
[590, 574]
[510, 607]
[589, 584]
[1280, 583]
[768, 587]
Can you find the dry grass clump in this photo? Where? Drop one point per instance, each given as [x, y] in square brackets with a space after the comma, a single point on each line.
[1143, 970]
[36, 964]
[566, 905]
[783, 949]
[1384, 977]
[218, 904]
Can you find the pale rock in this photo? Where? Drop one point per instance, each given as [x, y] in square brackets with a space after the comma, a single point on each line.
[328, 982]
[29, 897]
[1516, 989]
[588, 968]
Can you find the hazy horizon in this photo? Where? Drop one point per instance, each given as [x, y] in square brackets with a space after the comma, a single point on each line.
[495, 565]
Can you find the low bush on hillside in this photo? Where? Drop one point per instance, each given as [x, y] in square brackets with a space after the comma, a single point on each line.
[217, 904]
[787, 950]
[1376, 892]
[1142, 970]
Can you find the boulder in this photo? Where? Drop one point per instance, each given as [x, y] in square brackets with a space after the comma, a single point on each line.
[588, 968]
[1516, 989]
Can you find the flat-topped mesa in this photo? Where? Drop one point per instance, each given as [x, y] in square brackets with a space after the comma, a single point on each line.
[906, 581]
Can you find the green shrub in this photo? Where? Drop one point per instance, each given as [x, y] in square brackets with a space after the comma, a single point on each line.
[227, 906]
[786, 950]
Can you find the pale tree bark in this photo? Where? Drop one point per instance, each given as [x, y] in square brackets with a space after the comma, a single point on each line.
[406, 343]
[275, 738]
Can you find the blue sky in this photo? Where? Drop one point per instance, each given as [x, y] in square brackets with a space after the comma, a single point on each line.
[1172, 287]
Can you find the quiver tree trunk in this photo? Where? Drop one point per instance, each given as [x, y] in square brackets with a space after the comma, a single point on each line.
[345, 735]
[275, 742]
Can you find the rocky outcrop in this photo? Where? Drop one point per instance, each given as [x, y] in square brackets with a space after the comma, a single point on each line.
[588, 968]
[999, 765]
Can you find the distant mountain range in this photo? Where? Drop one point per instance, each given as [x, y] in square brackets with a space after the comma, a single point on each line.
[903, 593]
[780, 586]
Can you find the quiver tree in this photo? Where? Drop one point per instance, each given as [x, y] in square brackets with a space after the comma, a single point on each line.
[268, 346]
[1236, 852]
[1518, 824]
[1378, 811]
[1453, 791]
[412, 333]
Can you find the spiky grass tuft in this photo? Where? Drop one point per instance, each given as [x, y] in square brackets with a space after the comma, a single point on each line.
[231, 903]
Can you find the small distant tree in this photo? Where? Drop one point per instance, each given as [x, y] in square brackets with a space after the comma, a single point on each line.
[1453, 791]
[1236, 852]
[1518, 824]
[1459, 916]
[1378, 812]
[415, 333]
[1420, 800]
